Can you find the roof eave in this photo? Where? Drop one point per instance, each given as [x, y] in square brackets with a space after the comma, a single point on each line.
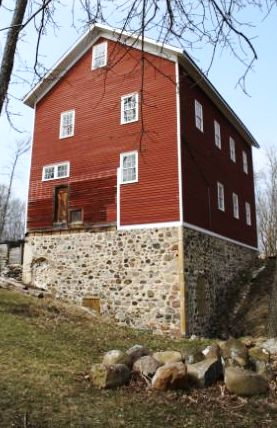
[204, 83]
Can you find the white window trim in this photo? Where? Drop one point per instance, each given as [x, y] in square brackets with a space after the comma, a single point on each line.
[217, 128]
[220, 187]
[106, 55]
[61, 124]
[121, 167]
[232, 148]
[248, 216]
[245, 162]
[198, 104]
[235, 200]
[122, 122]
[55, 166]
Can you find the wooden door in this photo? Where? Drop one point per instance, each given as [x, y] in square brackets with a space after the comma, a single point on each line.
[61, 204]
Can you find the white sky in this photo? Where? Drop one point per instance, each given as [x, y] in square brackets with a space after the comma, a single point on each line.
[258, 111]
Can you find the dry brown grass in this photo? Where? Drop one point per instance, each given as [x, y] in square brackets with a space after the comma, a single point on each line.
[46, 352]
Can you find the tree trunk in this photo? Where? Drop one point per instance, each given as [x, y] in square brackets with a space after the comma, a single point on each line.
[272, 324]
[10, 47]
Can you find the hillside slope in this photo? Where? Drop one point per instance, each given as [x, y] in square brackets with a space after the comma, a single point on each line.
[249, 310]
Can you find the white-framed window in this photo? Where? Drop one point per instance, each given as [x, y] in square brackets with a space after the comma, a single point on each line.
[235, 205]
[245, 162]
[129, 167]
[55, 171]
[198, 115]
[129, 108]
[67, 124]
[217, 134]
[220, 197]
[99, 55]
[248, 214]
[232, 146]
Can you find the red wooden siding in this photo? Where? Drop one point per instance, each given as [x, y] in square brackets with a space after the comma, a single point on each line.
[204, 165]
[94, 150]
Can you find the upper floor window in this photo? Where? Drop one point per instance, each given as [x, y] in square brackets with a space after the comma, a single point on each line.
[220, 197]
[67, 124]
[217, 134]
[248, 214]
[198, 115]
[235, 206]
[129, 108]
[129, 167]
[232, 149]
[54, 171]
[99, 55]
[245, 162]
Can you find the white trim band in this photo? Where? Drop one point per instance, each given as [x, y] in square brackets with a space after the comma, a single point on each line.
[188, 225]
[150, 225]
[217, 235]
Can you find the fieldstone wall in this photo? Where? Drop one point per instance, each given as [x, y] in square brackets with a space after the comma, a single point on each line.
[213, 269]
[11, 255]
[133, 273]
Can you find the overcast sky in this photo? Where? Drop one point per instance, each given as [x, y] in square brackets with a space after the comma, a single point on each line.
[258, 110]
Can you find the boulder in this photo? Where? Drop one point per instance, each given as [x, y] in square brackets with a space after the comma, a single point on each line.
[270, 345]
[212, 351]
[146, 366]
[136, 352]
[112, 376]
[234, 353]
[193, 357]
[165, 357]
[170, 376]
[205, 373]
[116, 357]
[244, 382]
[260, 360]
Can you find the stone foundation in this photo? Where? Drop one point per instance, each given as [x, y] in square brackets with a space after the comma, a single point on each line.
[134, 275]
[213, 268]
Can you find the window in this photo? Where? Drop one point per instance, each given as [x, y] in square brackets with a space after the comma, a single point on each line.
[220, 197]
[75, 216]
[48, 173]
[232, 149]
[217, 134]
[129, 167]
[248, 214]
[99, 55]
[67, 124]
[52, 172]
[235, 206]
[129, 108]
[198, 115]
[245, 162]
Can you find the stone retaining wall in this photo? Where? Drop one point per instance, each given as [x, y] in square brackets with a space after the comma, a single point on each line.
[213, 267]
[133, 273]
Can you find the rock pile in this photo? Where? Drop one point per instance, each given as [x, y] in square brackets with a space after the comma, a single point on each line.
[245, 371]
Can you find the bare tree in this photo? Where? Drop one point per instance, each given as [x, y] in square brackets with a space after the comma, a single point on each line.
[15, 218]
[267, 206]
[272, 324]
[189, 23]
[21, 149]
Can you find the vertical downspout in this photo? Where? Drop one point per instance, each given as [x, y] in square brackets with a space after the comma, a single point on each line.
[181, 261]
[118, 199]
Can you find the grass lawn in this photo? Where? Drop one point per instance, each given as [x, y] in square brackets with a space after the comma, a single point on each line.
[46, 350]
